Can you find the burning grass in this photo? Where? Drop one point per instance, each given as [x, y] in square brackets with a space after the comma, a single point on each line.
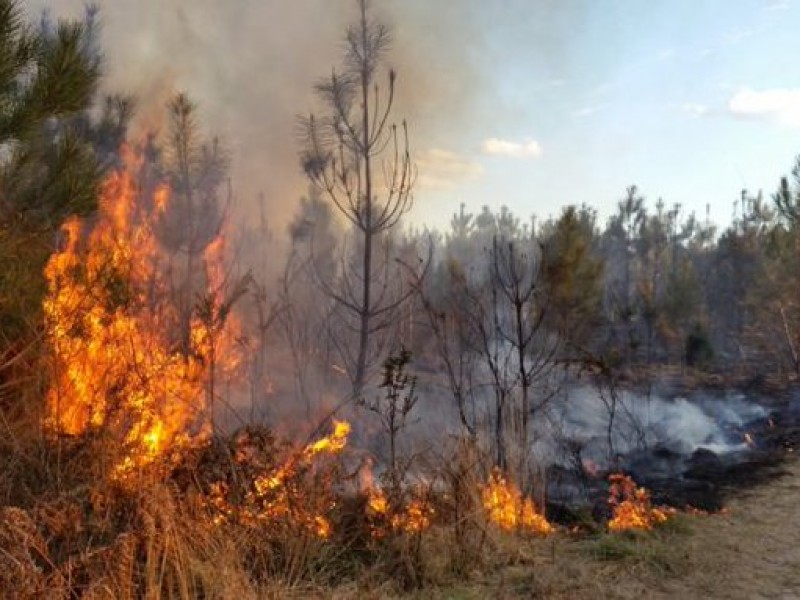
[507, 508]
[169, 539]
[632, 507]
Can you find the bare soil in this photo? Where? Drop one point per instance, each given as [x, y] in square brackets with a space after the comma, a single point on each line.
[753, 552]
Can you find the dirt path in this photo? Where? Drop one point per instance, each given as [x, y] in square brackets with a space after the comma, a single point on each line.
[753, 552]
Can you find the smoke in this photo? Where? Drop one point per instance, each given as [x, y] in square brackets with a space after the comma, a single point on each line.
[680, 425]
[577, 418]
[251, 66]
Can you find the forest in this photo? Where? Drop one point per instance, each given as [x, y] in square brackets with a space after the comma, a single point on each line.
[195, 404]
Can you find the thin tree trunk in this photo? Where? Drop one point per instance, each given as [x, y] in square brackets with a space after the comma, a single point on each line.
[366, 306]
[790, 342]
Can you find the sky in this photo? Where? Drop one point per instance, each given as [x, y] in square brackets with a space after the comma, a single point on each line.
[529, 104]
[690, 100]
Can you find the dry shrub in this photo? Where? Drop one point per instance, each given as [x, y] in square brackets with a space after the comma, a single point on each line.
[166, 552]
[25, 459]
[390, 550]
[183, 555]
[272, 500]
[23, 555]
[400, 536]
[461, 508]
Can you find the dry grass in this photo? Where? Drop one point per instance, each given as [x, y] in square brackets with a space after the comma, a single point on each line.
[158, 546]
[750, 551]
[65, 532]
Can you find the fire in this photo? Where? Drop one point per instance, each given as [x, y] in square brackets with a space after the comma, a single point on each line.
[112, 325]
[632, 507]
[377, 502]
[331, 444]
[509, 509]
[414, 517]
[274, 495]
[409, 515]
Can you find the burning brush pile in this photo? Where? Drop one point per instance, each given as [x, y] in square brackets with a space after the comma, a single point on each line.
[141, 341]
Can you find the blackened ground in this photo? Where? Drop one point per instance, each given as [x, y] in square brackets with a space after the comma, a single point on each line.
[703, 480]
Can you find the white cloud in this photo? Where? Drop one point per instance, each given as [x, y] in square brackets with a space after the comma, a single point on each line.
[498, 147]
[733, 38]
[601, 89]
[556, 82]
[666, 54]
[442, 170]
[778, 105]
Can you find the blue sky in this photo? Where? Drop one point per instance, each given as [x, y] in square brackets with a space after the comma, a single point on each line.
[692, 101]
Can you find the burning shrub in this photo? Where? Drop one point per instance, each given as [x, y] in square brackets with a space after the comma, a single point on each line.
[507, 508]
[260, 490]
[119, 367]
[409, 515]
[631, 506]
[396, 524]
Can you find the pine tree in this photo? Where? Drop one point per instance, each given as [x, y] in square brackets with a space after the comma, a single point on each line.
[345, 151]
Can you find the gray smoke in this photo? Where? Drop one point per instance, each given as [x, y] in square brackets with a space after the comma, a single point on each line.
[251, 66]
[680, 425]
[573, 425]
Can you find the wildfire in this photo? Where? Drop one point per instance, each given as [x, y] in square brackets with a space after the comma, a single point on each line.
[632, 507]
[406, 515]
[274, 495]
[509, 509]
[331, 444]
[113, 326]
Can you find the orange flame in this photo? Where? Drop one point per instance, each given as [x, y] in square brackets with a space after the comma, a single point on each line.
[331, 444]
[508, 509]
[405, 515]
[273, 496]
[111, 325]
[632, 507]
